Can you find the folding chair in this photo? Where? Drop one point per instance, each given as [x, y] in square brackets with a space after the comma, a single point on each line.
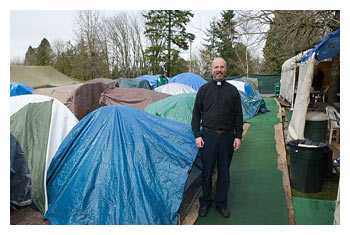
[333, 122]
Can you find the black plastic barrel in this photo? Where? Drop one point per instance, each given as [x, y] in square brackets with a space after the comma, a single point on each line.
[309, 164]
[316, 126]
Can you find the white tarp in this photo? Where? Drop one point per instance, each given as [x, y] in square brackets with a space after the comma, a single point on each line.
[288, 77]
[297, 124]
[175, 89]
[62, 121]
[238, 84]
[18, 102]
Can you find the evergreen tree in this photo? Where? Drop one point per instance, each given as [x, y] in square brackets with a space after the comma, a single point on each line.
[30, 57]
[44, 53]
[210, 50]
[212, 39]
[164, 29]
[63, 62]
[227, 35]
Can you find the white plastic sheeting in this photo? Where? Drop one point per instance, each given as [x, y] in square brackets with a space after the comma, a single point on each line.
[238, 84]
[297, 124]
[175, 89]
[18, 102]
[288, 77]
[62, 121]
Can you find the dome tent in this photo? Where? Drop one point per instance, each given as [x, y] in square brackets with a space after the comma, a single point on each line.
[190, 79]
[242, 86]
[20, 183]
[179, 107]
[82, 98]
[40, 124]
[133, 83]
[17, 88]
[133, 97]
[176, 107]
[120, 165]
[152, 79]
[175, 89]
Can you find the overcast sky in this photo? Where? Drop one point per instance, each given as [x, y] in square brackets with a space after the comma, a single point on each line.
[29, 27]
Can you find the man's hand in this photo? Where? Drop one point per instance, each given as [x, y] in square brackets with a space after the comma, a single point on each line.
[236, 144]
[199, 142]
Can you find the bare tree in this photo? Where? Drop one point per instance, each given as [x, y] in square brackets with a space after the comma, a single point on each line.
[124, 33]
[92, 48]
[17, 61]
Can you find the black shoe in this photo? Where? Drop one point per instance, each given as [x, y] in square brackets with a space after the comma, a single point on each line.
[223, 211]
[203, 211]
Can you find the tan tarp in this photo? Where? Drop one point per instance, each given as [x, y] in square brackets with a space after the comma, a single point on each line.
[81, 99]
[133, 97]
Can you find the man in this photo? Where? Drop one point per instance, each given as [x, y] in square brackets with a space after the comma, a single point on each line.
[218, 110]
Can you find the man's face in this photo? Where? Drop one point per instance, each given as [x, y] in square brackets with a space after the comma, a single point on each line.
[218, 69]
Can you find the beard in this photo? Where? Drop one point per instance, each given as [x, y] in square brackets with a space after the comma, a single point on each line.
[219, 77]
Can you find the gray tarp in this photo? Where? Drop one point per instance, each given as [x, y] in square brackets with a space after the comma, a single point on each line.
[133, 97]
[20, 184]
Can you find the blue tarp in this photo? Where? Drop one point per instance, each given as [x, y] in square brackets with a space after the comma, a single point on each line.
[120, 165]
[252, 105]
[327, 48]
[190, 79]
[20, 89]
[152, 79]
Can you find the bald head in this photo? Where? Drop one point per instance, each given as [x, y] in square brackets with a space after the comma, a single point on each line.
[218, 69]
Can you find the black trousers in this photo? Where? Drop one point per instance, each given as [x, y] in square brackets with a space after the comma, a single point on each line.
[218, 148]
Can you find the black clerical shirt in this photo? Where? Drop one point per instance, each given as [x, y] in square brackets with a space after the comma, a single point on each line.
[219, 108]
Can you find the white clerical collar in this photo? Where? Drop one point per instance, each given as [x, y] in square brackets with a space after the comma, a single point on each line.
[218, 83]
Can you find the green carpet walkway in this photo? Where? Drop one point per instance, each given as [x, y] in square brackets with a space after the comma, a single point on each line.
[256, 195]
[313, 212]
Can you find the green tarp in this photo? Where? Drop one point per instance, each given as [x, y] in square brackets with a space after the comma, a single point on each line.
[176, 107]
[31, 125]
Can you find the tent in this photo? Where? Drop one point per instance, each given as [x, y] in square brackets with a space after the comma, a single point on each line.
[81, 98]
[288, 76]
[174, 89]
[107, 81]
[20, 89]
[176, 107]
[265, 83]
[254, 82]
[190, 79]
[40, 76]
[40, 124]
[20, 182]
[152, 79]
[252, 104]
[242, 86]
[133, 97]
[179, 107]
[326, 49]
[120, 165]
[133, 83]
